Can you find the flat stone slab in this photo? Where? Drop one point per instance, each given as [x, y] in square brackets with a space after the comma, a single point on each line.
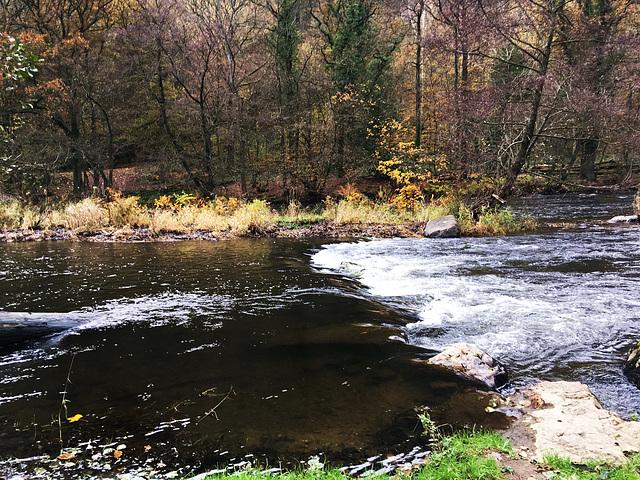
[567, 419]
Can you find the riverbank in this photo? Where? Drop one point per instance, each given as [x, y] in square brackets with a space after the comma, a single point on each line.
[322, 228]
[124, 219]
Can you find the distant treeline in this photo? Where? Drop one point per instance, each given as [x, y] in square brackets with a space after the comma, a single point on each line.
[301, 90]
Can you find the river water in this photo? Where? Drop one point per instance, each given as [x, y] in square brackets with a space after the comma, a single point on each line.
[194, 354]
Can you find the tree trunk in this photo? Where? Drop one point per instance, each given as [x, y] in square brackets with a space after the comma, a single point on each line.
[418, 139]
[588, 160]
[529, 134]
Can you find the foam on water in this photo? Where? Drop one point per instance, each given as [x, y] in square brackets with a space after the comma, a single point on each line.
[544, 304]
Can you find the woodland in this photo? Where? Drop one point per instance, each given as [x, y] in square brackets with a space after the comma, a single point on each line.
[426, 93]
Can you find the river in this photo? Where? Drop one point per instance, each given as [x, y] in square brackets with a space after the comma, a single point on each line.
[190, 355]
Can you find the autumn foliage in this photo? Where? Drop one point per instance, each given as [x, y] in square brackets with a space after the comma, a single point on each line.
[429, 94]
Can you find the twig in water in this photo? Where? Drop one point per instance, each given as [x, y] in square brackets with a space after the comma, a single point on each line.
[63, 403]
[213, 410]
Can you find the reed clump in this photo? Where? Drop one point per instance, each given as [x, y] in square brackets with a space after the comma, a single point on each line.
[88, 214]
[15, 215]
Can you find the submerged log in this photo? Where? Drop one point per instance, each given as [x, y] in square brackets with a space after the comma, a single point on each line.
[16, 327]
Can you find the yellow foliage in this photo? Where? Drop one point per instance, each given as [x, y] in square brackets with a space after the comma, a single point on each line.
[398, 157]
[75, 418]
[409, 198]
[163, 203]
[125, 211]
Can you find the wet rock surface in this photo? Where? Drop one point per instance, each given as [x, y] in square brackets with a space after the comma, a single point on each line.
[632, 365]
[472, 364]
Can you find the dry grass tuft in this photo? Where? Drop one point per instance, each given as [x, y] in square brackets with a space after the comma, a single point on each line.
[15, 215]
[250, 217]
[165, 221]
[85, 215]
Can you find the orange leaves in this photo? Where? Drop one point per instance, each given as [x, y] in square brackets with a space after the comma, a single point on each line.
[409, 198]
[66, 456]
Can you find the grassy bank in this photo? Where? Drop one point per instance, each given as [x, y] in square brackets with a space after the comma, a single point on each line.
[466, 455]
[224, 216]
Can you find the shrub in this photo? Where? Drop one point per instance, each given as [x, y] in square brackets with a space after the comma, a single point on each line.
[123, 211]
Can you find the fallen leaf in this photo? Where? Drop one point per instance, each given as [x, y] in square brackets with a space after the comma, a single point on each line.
[117, 453]
[75, 418]
[147, 448]
[66, 456]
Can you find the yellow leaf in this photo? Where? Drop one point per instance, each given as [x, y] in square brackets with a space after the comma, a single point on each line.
[75, 418]
[147, 448]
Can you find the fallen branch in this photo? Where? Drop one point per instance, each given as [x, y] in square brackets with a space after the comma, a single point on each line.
[213, 410]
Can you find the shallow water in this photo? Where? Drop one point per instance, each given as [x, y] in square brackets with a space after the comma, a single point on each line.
[559, 304]
[277, 350]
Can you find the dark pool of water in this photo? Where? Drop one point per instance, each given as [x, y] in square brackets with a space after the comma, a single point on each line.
[196, 354]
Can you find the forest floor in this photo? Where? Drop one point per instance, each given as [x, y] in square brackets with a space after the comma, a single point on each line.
[147, 180]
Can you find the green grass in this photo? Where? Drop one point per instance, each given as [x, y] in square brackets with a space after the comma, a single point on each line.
[460, 456]
[562, 468]
[463, 455]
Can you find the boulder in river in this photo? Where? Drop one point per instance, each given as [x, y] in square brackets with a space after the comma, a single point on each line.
[565, 418]
[632, 365]
[624, 219]
[636, 204]
[443, 227]
[473, 364]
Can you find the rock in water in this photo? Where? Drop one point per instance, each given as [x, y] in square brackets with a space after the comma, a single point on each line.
[624, 219]
[473, 364]
[632, 365]
[443, 227]
[17, 327]
[636, 204]
[567, 419]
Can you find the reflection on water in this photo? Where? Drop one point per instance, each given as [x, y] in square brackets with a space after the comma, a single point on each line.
[200, 353]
